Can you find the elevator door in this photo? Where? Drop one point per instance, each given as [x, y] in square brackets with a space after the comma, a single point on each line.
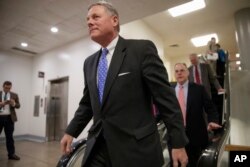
[57, 114]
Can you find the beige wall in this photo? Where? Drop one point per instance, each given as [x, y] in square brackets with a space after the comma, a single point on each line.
[240, 110]
[18, 70]
[63, 61]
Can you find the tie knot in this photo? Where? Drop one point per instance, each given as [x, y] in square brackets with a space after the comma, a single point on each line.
[105, 51]
[181, 86]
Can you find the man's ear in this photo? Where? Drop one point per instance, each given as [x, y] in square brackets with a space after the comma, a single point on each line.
[115, 21]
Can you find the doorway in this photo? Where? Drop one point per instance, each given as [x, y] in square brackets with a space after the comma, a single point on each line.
[57, 113]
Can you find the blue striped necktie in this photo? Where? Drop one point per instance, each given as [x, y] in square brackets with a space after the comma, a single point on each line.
[102, 72]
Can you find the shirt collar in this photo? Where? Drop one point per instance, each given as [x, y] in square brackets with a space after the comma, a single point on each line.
[113, 43]
[198, 64]
[184, 85]
[3, 92]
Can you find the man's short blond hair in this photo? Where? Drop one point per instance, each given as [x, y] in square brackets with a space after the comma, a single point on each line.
[109, 8]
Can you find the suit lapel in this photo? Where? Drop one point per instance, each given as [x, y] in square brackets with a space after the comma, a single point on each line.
[202, 67]
[191, 75]
[189, 96]
[114, 67]
[93, 78]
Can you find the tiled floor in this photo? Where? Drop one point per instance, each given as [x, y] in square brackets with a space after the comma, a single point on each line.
[32, 154]
[35, 154]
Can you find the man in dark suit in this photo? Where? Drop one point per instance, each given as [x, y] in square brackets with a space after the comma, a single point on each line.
[194, 100]
[9, 101]
[202, 73]
[124, 131]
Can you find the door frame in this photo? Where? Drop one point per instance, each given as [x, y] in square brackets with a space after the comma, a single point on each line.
[53, 81]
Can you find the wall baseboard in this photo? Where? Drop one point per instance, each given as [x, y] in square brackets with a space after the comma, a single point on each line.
[28, 137]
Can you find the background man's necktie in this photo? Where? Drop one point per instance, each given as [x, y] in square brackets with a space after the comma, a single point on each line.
[197, 76]
[102, 72]
[5, 97]
[181, 99]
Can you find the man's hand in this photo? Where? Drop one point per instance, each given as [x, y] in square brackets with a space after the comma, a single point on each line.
[179, 155]
[66, 144]
[212, 126]
[12, 102]
[2, 104]
[221, 90]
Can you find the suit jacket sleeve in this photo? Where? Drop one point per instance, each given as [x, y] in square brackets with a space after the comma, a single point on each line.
[82, 115]
[17, 103]
[212, 78]
[156, 78]
[212, 114]
[190, 77]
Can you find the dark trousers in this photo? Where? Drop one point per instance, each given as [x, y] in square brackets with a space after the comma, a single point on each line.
[194, 153]
[7, 124]
[99, 156]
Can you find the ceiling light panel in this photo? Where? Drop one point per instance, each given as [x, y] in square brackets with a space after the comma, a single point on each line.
[203, 40]
[54, 29]
[187, 8]
[24, 44]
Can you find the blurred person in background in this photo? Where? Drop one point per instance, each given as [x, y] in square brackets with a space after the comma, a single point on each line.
[9, 102]
[201, 73]
[211, 53]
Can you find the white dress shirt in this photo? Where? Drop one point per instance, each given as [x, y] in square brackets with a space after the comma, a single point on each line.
[6, 109]
[111, 49]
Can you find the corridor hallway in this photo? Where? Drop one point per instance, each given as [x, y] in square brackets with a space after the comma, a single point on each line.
[32, 154]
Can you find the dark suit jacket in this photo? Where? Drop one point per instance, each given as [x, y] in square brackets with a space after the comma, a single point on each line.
[136, 75]
[207, 77]
[198, 101]
[12, 109]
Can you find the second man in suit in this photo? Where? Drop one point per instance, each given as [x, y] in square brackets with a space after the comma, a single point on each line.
[201, 73]
[194, 101]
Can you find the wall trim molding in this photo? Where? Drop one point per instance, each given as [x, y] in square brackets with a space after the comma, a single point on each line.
[28, 137]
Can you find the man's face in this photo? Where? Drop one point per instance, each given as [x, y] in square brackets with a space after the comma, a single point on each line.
[181, 73]
[213, 40]
[6, 88]
[193, 59]
[101, 24]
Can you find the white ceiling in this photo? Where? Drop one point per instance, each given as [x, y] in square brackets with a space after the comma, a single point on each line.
[217, 17]
[31, 20]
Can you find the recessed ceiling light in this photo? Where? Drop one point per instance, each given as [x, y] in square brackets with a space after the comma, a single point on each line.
[24, 44]
[54, 29]
[237, 55]
[203, 40]
[187, 8]
[238, 62]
